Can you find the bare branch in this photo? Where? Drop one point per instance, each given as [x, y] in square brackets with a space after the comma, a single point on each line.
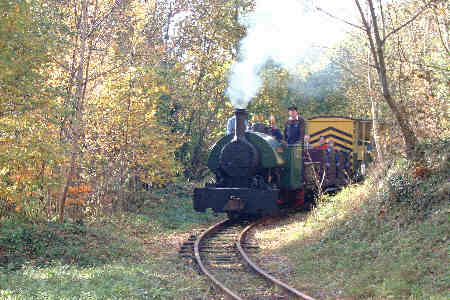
[105, 17]
[440, 32]
[382, 18]
[408, 22]
[346, 68]
[337, 18]
[369, 36]
[63, 65]
[99, 75]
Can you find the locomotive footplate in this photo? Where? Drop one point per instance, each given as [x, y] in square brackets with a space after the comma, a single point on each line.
[245, 200]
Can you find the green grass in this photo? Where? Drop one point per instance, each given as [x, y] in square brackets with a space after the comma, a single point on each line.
[387, 238]
[173, 210]
[128, 256]
[119, 280]
[384, 261]
[40, 244]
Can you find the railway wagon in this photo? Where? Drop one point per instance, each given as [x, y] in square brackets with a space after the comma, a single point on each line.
[350, 135]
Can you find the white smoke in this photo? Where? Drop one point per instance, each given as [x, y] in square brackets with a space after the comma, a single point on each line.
[281, 31]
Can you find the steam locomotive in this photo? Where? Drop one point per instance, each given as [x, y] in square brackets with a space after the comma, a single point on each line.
[255, 174]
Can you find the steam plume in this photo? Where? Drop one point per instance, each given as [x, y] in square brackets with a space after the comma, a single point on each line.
[278, 30]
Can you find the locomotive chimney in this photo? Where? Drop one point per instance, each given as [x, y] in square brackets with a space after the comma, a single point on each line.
[239, 158]
[240, 124]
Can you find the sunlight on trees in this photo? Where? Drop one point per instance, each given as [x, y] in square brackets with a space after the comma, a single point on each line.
[101, 100]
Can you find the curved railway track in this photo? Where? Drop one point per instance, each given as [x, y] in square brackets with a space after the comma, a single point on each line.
[221, 253]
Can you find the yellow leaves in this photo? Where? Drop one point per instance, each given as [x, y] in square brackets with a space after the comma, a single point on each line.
[18, 208]
[443, 11]
[152, 111]
[77, 195]
[156, 91]
[83, 188]
[164, 89]
[139, 13]
[157, 158]
[4, 171]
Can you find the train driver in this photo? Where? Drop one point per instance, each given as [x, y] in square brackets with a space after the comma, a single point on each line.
[275, 132]
[294, 131]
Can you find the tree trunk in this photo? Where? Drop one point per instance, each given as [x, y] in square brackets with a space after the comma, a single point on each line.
[62, 203]
[377, 51]
[77, 106]
[374, 110]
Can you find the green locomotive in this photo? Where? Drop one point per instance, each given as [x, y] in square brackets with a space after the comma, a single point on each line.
[255, 173]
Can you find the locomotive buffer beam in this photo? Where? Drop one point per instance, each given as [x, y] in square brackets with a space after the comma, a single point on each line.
[252, 201]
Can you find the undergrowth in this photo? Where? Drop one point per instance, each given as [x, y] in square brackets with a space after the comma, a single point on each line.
[41, 244]
[130, 255]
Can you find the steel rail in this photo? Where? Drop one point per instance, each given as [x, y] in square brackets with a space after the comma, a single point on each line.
[255, 267]
[202, 266]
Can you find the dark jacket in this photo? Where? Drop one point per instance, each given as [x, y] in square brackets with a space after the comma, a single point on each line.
[294, 131]
[276, 133]
[328, 154]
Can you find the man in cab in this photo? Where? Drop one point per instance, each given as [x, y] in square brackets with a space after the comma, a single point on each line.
[294, 131]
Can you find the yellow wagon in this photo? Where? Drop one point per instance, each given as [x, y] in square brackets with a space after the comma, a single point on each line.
[349, 134]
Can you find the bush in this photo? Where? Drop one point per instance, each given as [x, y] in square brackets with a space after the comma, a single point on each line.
[416, 187]
[41, 244]
[401, 187]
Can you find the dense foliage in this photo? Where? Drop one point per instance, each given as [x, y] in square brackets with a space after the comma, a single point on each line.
[103, 100]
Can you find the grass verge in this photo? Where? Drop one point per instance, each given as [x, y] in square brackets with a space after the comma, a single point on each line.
[128, 256]
[384, 239]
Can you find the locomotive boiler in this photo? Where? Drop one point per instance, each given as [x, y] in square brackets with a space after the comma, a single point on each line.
[256, 174]
[253, 171]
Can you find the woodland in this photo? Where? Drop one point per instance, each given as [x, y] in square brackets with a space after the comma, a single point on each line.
[103, 100]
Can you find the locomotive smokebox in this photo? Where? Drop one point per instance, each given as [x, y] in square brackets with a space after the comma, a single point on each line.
[239, 158]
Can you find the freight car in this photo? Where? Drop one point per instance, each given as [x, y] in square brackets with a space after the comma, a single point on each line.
[255, 174]
[350, 136]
